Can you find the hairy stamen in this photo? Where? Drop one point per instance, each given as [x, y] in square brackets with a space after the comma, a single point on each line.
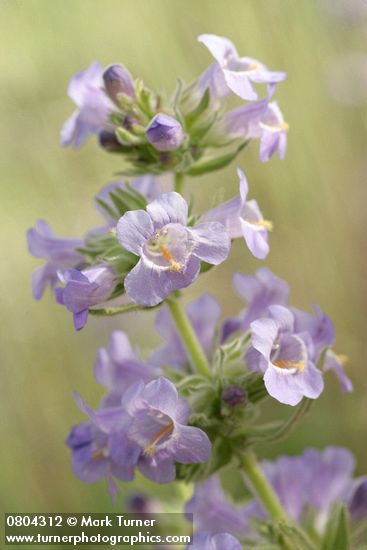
[150, 449]
[300, 365]
[175, 266]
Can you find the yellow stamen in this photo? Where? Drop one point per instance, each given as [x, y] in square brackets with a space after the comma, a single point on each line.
[253, 67]
[175, 266]
[284, 126]
[343, 359]
[150, 450]
[266, 224]
[100, 454]
[290, 365]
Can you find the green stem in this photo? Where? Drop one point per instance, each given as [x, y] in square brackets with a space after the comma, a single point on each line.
[289, 425]
[179, 182]
[261, 487]
[189, 337]
[268, 498]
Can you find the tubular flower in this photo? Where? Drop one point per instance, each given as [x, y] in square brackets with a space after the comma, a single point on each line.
[243, 218]
[117, 367]
[282, 355]
[259, 292]
[83, 289]
[260, 120]
[170, 252]
[60, 254]
[157, 427]
[236, 74]
[94, 107]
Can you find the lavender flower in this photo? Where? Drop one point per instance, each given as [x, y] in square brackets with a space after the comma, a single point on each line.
[260, 120]
[204, 315]
[221, 541]
[170, 252]
[358, 501]
[117, 367]
[158, 428]
[220, 516]
[281, 354]
[238, 73]
[259, 291]
[100, 448]
[118, 80]
[60, 254]
[165, 133]
[320, 334]
[84, 289]
[94, 107]
[243, 218]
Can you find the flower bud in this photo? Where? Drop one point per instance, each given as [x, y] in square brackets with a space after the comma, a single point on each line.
[108, 141]
[358, 505]
[117, 80]
[233, 395]
[165, 133]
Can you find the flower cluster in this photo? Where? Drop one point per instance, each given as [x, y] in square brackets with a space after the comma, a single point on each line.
[309, 488]
[155, 133]
[192, 406]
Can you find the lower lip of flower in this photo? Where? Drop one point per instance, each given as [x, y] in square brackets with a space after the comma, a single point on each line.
[164, 432]
[296, 366]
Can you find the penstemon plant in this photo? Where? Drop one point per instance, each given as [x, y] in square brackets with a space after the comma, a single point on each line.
[190, 411]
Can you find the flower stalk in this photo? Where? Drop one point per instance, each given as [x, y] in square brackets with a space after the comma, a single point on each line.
[179, 182]
[189, 337]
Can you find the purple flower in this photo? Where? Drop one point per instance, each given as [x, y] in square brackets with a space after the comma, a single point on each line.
[60, 255]
[260, 120]
[358, 501]
[170, 252]
[220, 541]
[259, 291]
[327, 477]
[100, 448]
[281, 354]
[220, 515]
[84, 289]
[204, 315]
[148, 186]
[243, 218]
[334, 363]
[158, 428]
[118, 80]
[238, 73]
[94, 107]
[117, 367]
[165, 133]
[319, 334]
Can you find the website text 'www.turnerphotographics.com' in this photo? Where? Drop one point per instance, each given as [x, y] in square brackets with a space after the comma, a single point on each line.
[98, 529]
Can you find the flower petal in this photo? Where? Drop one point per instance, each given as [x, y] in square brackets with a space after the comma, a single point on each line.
[212, 243]
[134, 229]
[220, 47]
[168, 208]
[149, 286]
[191, 445]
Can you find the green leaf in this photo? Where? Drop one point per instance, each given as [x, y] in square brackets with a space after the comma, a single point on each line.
[232, 351]
[199, 109]
[107, 208]
[205, 166]
[337, 531]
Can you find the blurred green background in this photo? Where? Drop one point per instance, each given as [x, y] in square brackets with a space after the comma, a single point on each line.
[316, 198]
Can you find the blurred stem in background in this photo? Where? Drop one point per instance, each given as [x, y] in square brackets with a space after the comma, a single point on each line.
[179, 183]
[189, 337]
